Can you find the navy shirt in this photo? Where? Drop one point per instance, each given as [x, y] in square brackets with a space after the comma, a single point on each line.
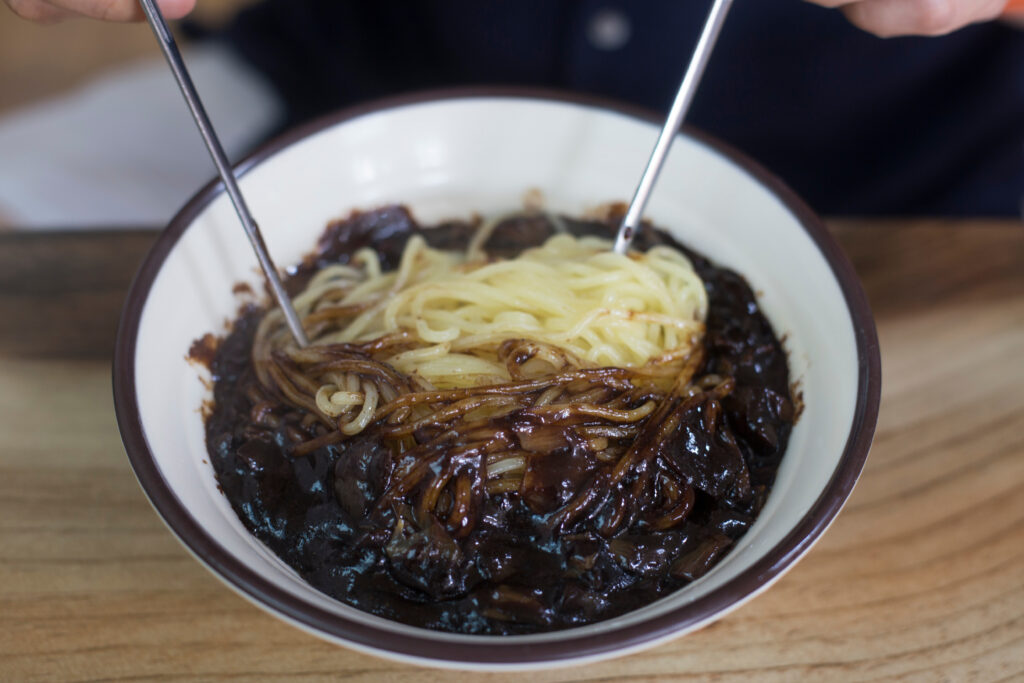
[856, 124]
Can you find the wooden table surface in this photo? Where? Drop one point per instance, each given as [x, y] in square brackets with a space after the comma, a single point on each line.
[920, 578]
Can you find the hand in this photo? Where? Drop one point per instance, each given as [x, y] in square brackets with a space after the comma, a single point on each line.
[888, 18]
[49, 11]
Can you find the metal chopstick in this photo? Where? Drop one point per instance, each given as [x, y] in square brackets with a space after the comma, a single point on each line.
[220, 160]
[698, 62]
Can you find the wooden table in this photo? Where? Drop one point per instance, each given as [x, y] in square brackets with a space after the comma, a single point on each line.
[921, 577]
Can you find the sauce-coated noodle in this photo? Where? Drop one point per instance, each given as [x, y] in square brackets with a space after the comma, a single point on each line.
[502, 445]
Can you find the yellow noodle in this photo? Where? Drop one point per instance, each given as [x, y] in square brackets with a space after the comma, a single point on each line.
[573, 302]
[366, 414]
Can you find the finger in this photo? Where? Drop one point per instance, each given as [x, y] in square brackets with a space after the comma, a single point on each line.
[888, 18]
[38, 11]
[123, 10]
[831, 3]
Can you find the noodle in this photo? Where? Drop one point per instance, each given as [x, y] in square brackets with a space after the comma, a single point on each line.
[572, 302]
[567, 334]
[509, 444]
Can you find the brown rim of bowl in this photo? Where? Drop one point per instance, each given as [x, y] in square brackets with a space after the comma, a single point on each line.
[502, 651]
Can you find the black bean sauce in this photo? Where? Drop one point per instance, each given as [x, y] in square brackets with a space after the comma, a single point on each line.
[514, 573]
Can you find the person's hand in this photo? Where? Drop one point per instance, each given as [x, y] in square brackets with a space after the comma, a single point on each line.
[48, 11]
[888, 18]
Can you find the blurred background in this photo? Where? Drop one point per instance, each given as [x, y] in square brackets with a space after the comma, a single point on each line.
[66, 162]
[93, 132]
[42, 61]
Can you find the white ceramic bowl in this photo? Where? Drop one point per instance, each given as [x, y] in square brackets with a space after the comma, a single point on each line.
[448, 155]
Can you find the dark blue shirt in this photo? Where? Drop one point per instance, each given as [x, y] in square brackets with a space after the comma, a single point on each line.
[856, 124]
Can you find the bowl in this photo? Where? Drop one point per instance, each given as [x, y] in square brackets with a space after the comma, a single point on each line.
[452, 154]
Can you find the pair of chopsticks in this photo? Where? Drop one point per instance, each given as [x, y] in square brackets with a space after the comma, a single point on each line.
[627, 230]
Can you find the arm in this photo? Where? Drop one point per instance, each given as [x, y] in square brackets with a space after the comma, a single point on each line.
[48, 11]
[888, 18]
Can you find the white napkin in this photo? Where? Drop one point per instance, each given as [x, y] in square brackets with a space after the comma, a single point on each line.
[123, 150]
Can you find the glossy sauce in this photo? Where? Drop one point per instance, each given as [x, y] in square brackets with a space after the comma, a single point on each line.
[518, 569]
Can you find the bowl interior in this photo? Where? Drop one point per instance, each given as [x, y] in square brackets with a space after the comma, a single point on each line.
[452, 158]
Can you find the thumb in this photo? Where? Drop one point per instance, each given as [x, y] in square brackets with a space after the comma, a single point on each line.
[122, 10]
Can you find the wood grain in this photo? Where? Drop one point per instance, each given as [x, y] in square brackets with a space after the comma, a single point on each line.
[61, 292]
[921, 577]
